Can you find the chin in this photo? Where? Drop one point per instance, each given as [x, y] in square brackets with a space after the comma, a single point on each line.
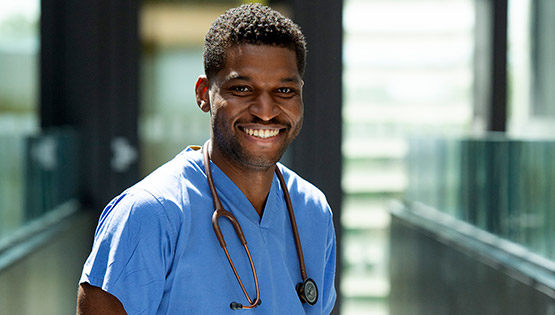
[259, 162]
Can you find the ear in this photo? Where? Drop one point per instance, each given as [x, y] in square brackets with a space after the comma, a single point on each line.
[201, 93]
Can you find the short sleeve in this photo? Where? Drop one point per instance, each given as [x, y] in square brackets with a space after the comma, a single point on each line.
[132, 251]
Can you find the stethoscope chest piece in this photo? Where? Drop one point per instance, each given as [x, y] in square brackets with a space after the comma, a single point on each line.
[308, 292]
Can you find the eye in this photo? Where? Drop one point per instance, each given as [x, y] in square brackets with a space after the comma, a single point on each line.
[285, 90]
[240, 89]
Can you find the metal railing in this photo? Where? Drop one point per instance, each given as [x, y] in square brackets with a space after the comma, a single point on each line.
[503, 185]
[38, 176]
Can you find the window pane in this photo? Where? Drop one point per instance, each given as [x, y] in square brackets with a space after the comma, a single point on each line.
[531, 67]
[19, 68]
[408, 70]
[19, 50]
[172, 33]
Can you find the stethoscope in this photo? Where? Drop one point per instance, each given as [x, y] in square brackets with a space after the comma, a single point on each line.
[307, 290]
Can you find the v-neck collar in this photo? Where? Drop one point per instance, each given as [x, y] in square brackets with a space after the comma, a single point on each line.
[231, 195]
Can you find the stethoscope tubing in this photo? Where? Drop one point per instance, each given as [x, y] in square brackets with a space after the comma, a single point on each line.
[218, 212]
[293, 224]
[221, 212]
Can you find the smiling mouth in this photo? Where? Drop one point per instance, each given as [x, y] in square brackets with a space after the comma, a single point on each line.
[261, 133]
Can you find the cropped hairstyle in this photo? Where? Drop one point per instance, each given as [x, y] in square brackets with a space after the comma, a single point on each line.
[251, 24]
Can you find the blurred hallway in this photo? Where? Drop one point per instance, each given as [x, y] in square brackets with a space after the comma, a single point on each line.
[436, 156]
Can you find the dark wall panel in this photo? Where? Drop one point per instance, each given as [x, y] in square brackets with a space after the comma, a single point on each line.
[89, 81]
[316, 153]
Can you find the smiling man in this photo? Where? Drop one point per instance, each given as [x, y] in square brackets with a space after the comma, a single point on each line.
[256, 111]
[225, 228]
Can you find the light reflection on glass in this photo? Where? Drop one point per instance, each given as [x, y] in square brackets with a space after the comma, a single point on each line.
[19, 50]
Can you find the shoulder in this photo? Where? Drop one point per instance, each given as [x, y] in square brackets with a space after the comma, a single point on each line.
[162, 197]
[136, 213]
[172, 182]
[184, 168]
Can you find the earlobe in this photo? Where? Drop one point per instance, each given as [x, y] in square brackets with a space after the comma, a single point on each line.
[201, 93]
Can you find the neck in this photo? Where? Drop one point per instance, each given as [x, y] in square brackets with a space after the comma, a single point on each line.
[255, 183]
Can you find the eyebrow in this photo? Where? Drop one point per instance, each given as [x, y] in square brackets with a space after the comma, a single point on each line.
[237, 76]
[291, 79]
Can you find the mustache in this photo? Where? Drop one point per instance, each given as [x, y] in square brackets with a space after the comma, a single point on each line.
[256, 120]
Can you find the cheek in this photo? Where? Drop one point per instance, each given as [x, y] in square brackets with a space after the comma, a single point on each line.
[299, 124]
[222, 118]
[296, 113]
[217, 117]
[218, 110]
[227, 107]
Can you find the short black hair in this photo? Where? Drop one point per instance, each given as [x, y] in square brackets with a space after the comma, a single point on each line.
[251, 24]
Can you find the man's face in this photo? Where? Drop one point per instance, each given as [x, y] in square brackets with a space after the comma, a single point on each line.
[256, 105]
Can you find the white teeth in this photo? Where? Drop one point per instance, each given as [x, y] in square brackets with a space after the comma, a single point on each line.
[266, 133]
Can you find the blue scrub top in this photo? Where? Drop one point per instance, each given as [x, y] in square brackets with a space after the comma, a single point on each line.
[156, 251]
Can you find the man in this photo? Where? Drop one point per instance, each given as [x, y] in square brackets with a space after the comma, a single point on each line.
[155, 249]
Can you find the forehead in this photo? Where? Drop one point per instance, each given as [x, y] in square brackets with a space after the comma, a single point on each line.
[261, 58]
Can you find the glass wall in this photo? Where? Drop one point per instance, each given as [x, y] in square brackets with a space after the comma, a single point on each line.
[19, 61]
[32, 181]
[38, 175]
[531, 68]
[503, 183]
[409, 68]
[172, 35]
[38, 169]
[19, 48]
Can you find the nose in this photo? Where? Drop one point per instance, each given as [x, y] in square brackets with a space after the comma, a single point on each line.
[264, 107]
